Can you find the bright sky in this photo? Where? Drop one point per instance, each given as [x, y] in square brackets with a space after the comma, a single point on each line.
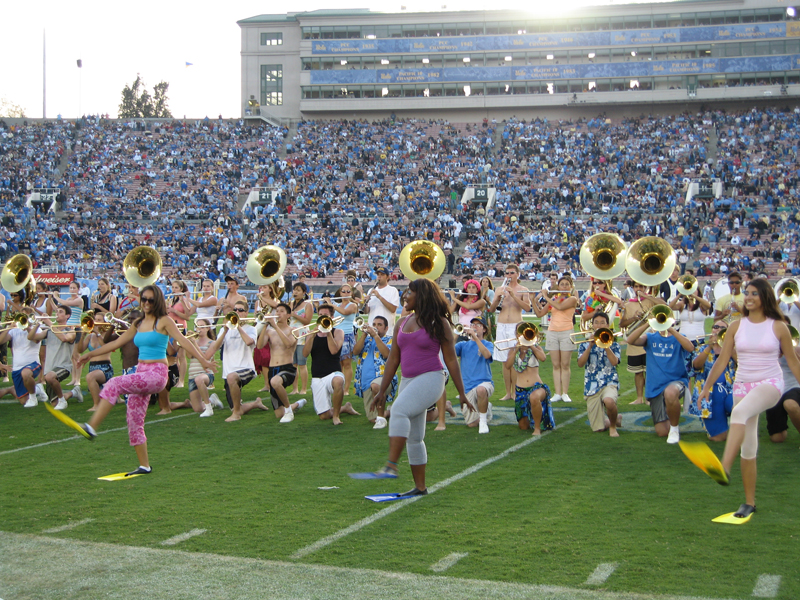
[155, 39]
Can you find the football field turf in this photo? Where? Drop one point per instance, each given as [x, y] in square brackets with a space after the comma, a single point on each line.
[255, 509]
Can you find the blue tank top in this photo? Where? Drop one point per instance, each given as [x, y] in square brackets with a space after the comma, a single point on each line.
[152, 345]
[347, 324]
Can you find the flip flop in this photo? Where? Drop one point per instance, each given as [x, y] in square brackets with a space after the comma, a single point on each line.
[704, 459]
[68, 421]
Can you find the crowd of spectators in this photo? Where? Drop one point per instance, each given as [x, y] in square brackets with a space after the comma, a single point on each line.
[350, 194]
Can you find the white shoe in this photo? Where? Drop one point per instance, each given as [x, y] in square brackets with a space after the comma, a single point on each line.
[301, 403]
[77, 393]
[380, 423]
[215, 402]
[41, 395]
[674, 435]
[61, 404]
[288, 416]
[31, 402]
[208, 412]
[483, 428]
[566, 398]
[555, 398]
[489, 413]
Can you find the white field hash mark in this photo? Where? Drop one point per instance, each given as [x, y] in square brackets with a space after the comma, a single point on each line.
[601, 573]
[68, 526]
[183, 537]
[448, 561]
[357, 526]
[767, 586]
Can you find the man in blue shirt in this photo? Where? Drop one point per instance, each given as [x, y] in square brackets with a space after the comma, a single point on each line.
[372, 347]
[667, 379]
[476, 369]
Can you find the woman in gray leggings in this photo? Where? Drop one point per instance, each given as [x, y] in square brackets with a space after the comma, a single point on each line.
[416, 344]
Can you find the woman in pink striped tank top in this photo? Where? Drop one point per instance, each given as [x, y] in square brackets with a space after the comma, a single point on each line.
[415, 347]
[758, 338]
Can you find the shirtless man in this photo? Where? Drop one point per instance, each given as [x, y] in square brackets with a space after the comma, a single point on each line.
[232, 296]
[516, 299]
[281, 370]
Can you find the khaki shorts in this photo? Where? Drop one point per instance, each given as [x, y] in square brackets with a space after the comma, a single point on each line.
[595, 408]
[559, 340]
[471, 416]
[372, 413]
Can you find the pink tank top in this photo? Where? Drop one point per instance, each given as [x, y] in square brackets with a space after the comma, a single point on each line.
[758, 351]
[419, 352]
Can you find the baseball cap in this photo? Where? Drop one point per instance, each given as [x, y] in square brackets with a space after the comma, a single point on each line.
[383, 270]
[479, 320]
[231, 278]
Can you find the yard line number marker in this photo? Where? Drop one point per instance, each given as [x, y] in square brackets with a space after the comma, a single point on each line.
[767, 586]
[448, 561]
[601, 573]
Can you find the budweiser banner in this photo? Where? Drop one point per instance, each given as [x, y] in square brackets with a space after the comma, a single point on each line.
[57, 279]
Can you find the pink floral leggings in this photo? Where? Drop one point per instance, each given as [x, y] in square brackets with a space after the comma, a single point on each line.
[150, 378]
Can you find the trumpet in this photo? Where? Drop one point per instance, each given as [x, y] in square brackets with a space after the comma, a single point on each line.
[686, 285]
[359, 322]
[324, 324]
[603, 337]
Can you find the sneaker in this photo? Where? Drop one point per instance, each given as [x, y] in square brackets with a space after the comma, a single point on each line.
[88, 432]
[674, 435]
[41, 395]
[483, 428]
[566, 398]
[489, 413]
[555, 398]
[61, 405]
[288, 416]
[32, 401]
[208, 412]
[301, 403]
[380, 423]
[140, 471]
[77, 393]
[215, 401]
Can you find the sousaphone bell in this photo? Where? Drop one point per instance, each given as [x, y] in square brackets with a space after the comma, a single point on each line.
[142, 266]
[603, 255]
[17, 274]
[650, 260]
[422, 259]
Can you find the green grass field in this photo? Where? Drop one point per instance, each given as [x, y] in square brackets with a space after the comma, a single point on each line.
[536, 522]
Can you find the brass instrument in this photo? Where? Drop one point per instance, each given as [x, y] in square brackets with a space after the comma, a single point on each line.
[17, 273]
[787, 290]
[603, 337]
[20, 321]
[266, 265]
[87, 323]
[686, 285]
[359, 322]
[142, 266]
[721, 336]
[529, 335]
[603, 256]
[422, 258]
[793, 332]
[324, 324]
[661, 318]
[110, 319]
[650, 261]
[191, 334]
[640, 321]
[458, 329]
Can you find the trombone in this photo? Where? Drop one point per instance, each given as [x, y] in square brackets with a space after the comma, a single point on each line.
[110, 319]
[603, 337]
[324, 324]
[527, 335]
[661, 318]
[686, 285]
[20, 321]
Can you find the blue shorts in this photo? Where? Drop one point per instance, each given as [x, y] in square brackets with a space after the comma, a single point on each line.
[16, 376]
[193, 385]
[347, 345]
[720, 405]
[105, 367]
[299, 359]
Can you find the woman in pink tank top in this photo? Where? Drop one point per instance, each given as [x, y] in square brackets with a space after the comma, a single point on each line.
[415, 347]
[758, 338]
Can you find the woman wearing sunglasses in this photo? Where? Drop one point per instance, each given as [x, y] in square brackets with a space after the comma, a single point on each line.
[151, 333]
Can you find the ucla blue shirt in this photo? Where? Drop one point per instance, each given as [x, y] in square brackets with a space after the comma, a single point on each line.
[666, 362]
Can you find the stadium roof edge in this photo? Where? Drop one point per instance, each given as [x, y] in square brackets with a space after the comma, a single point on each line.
[331, 12]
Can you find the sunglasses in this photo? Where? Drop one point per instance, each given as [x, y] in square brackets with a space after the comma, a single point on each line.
[735, 282]
[148, 299]
[242, 310]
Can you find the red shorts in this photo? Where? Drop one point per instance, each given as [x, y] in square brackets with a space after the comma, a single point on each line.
[261, 358]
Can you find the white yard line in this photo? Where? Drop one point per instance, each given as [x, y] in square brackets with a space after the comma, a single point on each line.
[448, 561]
[767, 586]
[326, 541]
[68, 526]
[601, 573]
[80, 437]
[183, 537]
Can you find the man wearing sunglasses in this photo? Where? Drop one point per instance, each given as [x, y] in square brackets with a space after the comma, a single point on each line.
[729, 307]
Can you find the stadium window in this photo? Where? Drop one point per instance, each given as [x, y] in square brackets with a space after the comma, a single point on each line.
[271, 39]
[271, 85]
